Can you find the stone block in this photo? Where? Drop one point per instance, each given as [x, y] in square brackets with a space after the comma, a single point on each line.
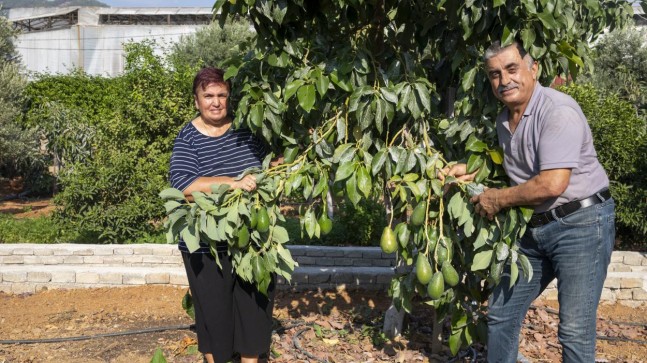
[621, 268]
[178, 279]
[5, 252]
[172, 260]
[325, 261]
[152, 259]
[39, 276]
[87, 277]
[123, 251]
[158, 278]
[23, 289]
[315, 253]
[133, 260]
[162, 251]
[43, 252]
[63, 276]
[361, 262]
[384, 279]
[305, 260]
[176, 252]
[104, 250]
[62, 252]
[52, 260]
[142, 250]
[612, 282]
[337, 252]
[22, 251]
[32, 260]
[381, 263]
[550, 294]
[633, 259]
[14, 276]
[84, 252]
[300, 278]
[630, 283]
[134, 279]
[113, 278]
[608, 295]
[94, 259]
[632, 303]
[113, 260]
[616, 258]
[73, 260]
[639, 294]
[624, 294]
[343, 261]
[297, 250]
[12, 260]
[320, 277]
[353, 253]
[342, 277]
[372, 254]
[6, 288]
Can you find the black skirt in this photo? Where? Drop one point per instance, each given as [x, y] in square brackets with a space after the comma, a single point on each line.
[231, 315]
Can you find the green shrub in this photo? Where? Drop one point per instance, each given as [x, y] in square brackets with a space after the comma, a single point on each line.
[33, 230]
[620, 138]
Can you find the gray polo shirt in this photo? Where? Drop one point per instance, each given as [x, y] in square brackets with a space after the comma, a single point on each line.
[553, 134]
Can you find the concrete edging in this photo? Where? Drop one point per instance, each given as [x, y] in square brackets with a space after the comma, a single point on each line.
[27, 268]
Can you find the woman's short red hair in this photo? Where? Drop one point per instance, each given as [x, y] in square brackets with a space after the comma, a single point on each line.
[207, 76]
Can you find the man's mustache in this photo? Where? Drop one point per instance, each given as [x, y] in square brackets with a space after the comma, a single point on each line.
[507, 87]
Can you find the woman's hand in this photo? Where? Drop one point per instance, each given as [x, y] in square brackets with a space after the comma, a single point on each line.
[247, 183]
[459, 171]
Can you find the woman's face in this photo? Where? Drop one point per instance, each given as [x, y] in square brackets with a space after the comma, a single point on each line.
[212, 102]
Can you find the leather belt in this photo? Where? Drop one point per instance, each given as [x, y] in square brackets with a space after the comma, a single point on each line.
[540, 219]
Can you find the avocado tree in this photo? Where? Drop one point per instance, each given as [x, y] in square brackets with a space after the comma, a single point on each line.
[375, 97]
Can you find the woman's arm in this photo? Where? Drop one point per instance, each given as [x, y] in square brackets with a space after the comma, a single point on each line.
[203, 183]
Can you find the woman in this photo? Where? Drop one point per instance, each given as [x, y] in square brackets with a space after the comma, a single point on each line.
[231, 315]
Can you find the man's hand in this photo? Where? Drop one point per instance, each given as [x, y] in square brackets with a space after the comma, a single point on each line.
[486, 203]
[459, 171]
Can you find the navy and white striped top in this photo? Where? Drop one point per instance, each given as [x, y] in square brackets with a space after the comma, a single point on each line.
[196, 155]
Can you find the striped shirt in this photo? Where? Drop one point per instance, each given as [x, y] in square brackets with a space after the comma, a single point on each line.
[196, 155]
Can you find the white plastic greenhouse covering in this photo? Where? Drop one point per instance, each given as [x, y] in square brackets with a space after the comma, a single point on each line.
[59, 40]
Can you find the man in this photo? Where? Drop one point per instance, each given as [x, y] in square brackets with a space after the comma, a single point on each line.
[553, 167]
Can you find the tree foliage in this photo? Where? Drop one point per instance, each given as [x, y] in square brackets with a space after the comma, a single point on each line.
[379, 95]
[620, 138]
[213, 45]
[620, 65]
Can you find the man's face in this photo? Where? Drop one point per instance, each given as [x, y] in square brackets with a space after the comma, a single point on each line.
[212, 102]
[512, 80]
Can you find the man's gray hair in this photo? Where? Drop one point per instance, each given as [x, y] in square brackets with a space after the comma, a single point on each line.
[496, 48]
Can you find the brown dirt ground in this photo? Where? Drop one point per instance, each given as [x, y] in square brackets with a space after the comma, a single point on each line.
[340, 326]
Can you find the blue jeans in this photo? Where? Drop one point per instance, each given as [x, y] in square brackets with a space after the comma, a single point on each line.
[576, 250]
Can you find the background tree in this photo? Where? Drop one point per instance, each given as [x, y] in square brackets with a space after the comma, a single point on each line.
[213, 45]
[20, 154]
[378, 95]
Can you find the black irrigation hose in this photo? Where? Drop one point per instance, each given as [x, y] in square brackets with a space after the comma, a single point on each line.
[105, 335]
[556, 312]
[297, 344]
[464, 354]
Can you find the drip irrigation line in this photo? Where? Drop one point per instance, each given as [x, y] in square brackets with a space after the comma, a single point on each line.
[104, 335]
[621, 339]
[297, 344]
[464, 354]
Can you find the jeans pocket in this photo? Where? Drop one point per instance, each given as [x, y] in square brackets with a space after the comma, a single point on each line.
[582, 218]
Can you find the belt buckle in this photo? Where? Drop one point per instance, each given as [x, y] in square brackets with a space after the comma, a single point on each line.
[541, 219]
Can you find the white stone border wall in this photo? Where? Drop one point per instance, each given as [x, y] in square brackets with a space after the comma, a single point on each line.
[33, 267]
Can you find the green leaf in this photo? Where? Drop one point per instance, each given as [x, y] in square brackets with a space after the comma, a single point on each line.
[171, 193]
[306, 96]
[322, 84]
[455, 342]
[482, 260]
[231, 72]
[351, 189]
[468, 79]
[171, 205]
[548, 20]
[364, 181]
[498, 3]
[291, 88]
[280, 234]
[528, 37]
[474, 162]
[502, 251]
[344, 171]
[526, 266]
[508, 36]
[514, 273]
[496, 155]
[378, 161]
[474, 144]
[191, 238]
[158, 357]
[187, 304]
